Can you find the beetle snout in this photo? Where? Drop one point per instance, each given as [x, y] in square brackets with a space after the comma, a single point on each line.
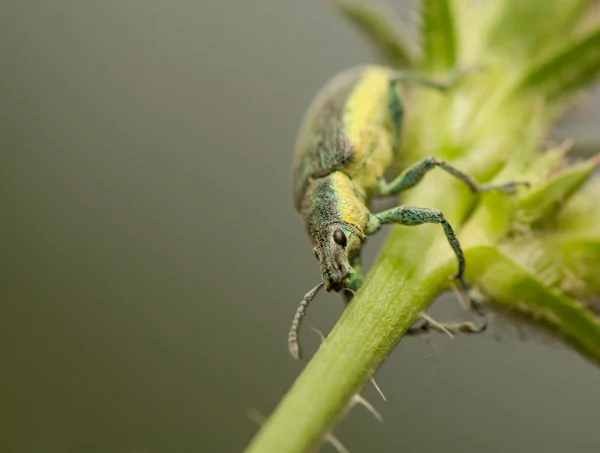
[337, 286]
[335, 266]
[337, 281]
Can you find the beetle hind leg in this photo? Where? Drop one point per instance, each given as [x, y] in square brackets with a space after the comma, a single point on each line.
[414, 174]
[428, 324]
[445, 84]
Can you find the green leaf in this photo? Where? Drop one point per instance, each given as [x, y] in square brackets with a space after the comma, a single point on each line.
[545, 199]
[581, 259]
[494, 217]
[510, 284]
[569, 69]
[526, 29]
[374, 22]
[438, 35]
[581, 216]
[578, 235]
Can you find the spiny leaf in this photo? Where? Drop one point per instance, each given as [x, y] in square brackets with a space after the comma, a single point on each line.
[438, 35]
[569, 69]
[510, 284]
[546, 164]
[581, 216]
[374, 22]
[545, 199]
[580, 256]
[494, 216]
[578, 235]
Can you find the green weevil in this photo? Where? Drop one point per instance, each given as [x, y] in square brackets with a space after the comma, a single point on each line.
[349, 137]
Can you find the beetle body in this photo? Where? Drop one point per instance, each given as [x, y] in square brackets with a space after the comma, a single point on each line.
[346, 144]
[348, 139]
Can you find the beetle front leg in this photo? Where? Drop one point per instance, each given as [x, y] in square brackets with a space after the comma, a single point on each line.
[356, 279]
[414, 174]
[411, 215]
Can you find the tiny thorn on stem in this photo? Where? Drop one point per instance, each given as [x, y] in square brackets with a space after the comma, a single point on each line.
[336, 443]
[255, 416]
[320, 333]
[359, 399]
[374, 382]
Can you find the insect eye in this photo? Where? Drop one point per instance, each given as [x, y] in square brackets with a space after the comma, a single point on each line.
[339, 237]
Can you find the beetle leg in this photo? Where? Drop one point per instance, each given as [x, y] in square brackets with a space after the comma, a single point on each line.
[356, 279]
[441, 85]
[415, 173]
[430, 324]
[411, 215]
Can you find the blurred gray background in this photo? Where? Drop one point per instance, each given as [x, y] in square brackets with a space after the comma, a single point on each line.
[152, 259]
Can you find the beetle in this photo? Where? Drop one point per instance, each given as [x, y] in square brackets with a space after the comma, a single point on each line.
[348, 139]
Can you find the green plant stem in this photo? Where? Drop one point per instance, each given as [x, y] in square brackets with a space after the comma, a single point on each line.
[398, 288]
[364, 336]
[412, 269]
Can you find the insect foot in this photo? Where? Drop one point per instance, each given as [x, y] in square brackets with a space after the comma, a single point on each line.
[430, 324]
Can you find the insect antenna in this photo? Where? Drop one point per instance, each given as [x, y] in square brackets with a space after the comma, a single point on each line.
[293, 344]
